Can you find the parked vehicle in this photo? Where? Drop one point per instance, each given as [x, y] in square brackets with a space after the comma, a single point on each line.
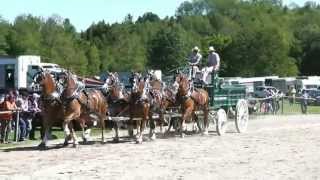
[18, 72]
[261, 91]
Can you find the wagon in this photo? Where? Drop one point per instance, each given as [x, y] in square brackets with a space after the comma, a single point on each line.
[227, 102]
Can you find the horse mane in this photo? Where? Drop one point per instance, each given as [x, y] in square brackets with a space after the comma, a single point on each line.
[48, 83]
[70, 84]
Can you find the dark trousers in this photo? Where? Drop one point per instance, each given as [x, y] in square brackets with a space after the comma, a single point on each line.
[22, 128]
[5, 130]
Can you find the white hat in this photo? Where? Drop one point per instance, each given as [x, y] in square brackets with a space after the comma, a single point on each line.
[211, 48]
[196, 48]
[35, 95]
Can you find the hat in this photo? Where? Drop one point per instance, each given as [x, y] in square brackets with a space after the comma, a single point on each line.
[35, 95]
[196, 48]
[211, 48]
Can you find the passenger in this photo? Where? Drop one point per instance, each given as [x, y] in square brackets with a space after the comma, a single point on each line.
[194, 61]
[213, 64]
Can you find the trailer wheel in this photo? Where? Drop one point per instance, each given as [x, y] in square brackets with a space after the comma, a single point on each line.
[242, 116]
[221, 121]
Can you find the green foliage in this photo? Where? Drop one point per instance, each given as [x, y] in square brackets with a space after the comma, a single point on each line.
[253, 38]
[4, 31]
[167, 50]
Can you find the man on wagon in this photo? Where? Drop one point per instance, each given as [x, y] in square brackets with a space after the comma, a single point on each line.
[213, 64]
[194, 61]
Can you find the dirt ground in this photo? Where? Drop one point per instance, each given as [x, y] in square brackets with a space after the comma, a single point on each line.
[275, 147]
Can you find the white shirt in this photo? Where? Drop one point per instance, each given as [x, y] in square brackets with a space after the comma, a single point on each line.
[214, 60]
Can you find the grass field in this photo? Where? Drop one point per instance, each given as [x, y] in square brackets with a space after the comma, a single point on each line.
[56, 134]
[295, 108]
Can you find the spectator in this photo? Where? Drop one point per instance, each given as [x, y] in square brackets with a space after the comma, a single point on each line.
[304, 101]
[293, 95]
[34, 110]
[22, 104]
[7, 105]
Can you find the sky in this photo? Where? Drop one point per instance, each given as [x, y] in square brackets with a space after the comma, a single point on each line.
[82, 13]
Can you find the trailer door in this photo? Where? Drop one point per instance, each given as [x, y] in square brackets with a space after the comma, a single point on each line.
[9, 76]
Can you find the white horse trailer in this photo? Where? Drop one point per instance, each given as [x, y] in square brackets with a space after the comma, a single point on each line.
[17, 72]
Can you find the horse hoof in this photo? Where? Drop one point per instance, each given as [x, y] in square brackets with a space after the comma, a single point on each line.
[139, 141]
[116, 140]
[75, 145]
[205, 133]
[42, 146]
[65, 144]
[182, 135]
[153, 137]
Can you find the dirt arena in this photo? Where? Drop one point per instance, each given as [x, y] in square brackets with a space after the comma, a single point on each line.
[282, 147]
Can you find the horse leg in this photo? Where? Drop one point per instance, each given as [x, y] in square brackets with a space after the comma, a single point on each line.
[187, 114]
[138, 125]
[85, 134]
[73, 135]
[152, 133]
[102, 119]
[196, 123]
[205, 121]
[116, 129]
[66, 132]
[46, 127]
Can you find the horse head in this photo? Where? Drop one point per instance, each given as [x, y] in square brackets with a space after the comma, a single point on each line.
[182, 82]
[46, 81]
[138, 84]
[70, 86]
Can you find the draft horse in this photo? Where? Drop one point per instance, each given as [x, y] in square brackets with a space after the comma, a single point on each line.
[51, 106]
[81, 104]
[118, 100]
[139, 105]
[191, 102]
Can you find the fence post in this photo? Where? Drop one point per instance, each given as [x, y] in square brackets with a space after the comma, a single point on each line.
[16, 132]
[282, 105]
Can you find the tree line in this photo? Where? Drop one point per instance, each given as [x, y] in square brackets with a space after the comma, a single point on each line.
[253, 38]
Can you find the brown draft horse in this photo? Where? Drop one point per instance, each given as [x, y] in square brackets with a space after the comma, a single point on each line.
[138, 106]
[52, 111]
[79, 104]
[118, 101]
[191, 102]
[168, 102]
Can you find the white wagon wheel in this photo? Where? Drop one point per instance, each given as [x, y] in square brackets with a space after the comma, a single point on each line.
[242, 116]
[221, 121]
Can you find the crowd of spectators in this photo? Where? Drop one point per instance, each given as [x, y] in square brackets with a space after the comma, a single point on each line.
[11, 103]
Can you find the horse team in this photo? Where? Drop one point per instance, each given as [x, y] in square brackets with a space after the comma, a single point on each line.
[65, 99]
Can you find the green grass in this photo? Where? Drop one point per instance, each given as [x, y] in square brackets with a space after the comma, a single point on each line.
[56, 133]
[294, 109]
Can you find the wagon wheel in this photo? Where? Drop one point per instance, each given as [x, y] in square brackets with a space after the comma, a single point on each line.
[221, 122]
[242, 116]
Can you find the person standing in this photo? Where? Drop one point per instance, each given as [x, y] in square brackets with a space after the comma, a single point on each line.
[213, 64]
[22, 104]
[304, 101]
[8, 105]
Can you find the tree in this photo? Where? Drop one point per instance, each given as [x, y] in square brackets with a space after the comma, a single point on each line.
[148, 17]
[167, 50]
[4, 31]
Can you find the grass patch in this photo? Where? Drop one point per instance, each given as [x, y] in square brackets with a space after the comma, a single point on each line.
[292, 109]
[57, 133]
